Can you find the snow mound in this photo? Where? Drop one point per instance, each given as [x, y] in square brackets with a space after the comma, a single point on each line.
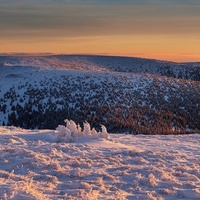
[73, 132]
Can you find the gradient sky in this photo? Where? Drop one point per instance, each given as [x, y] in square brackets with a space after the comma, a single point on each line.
[163, 29]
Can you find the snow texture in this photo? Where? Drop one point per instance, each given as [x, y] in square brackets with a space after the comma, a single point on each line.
[34, 164]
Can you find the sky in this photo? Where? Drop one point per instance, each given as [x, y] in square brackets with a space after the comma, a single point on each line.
[161, 29]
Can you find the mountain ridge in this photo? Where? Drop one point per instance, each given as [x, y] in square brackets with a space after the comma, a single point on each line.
[189, 70]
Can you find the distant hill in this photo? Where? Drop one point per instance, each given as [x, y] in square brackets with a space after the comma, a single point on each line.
[189, 71]
[132, 95]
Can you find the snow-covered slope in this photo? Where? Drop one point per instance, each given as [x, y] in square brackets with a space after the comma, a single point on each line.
[34, 166]
[125, 94]
[107, 63]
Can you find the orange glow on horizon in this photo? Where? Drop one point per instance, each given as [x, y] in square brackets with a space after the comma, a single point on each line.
[174, 48]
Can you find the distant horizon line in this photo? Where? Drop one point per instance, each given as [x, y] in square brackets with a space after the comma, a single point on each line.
[86, 54]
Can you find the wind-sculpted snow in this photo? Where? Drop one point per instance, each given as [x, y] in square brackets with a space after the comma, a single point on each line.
[34, 165]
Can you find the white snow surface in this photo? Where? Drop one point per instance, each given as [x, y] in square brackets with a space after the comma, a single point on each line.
[35, 165]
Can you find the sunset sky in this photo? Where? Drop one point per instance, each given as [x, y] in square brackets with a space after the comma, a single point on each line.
[162, 29]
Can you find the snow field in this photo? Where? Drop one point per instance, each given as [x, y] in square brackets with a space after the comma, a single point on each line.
[35, 165]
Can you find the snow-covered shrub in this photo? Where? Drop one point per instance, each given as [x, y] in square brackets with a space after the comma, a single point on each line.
[94, 133]
[64, 134]
[104, 132]
[71, 125]
[72, 132]
[86, 129]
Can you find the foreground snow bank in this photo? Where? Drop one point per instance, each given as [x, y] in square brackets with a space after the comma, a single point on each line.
[72, 132]
[34, 166]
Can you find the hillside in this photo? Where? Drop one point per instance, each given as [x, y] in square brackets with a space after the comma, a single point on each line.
[190, 71]
[131, 95]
